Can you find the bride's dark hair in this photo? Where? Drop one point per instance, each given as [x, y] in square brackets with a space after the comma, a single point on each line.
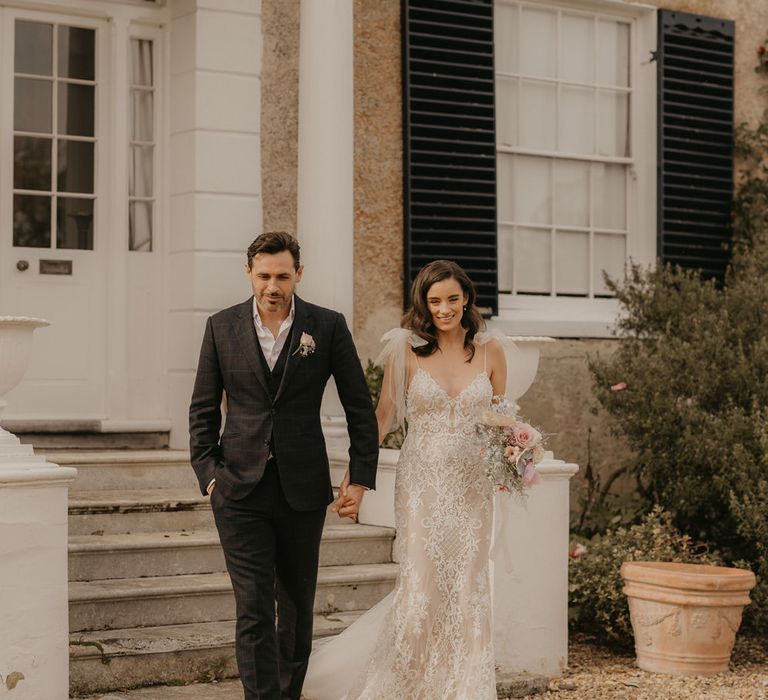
[418, 317]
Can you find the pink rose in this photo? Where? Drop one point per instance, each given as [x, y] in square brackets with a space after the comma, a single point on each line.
[526, 435]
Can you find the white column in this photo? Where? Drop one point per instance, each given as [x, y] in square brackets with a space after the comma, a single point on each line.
[325, 216]
[530, 575]
[34, 623]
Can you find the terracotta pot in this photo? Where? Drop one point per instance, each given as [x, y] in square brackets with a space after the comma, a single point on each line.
[685, 616]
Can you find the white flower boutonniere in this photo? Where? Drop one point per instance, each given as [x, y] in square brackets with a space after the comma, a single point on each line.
[306, 345]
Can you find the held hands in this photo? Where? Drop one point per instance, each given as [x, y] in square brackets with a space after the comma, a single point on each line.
[347, 505]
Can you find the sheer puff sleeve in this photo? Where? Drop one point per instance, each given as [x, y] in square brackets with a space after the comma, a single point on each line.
[512, 355]
[394, 358]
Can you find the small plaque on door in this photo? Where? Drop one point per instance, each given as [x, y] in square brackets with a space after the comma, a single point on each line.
[55, 267]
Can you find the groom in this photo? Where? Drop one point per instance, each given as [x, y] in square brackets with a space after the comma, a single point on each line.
[267, 475]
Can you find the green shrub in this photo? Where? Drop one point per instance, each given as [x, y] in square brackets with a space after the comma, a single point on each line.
[597, 604]
[694, 357]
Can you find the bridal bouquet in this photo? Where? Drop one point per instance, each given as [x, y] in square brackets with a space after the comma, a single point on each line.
[511, 448]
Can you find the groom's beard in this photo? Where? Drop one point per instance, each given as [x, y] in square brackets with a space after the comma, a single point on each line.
[273, 303]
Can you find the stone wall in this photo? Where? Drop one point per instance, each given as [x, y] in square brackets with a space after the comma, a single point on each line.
[561, 398]
[280, 114]
[378, 172]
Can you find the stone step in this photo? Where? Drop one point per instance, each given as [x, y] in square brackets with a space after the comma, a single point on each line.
[142, 554]
[117, 512]
[172, 600]
[114, 470]
[204, 651]
[153, 510]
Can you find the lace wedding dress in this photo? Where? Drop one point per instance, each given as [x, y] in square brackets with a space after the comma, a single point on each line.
[432, 637]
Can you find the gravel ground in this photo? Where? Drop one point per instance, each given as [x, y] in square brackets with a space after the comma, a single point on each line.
[596, 674]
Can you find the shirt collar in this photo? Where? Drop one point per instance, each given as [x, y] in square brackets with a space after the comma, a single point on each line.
[288, 320]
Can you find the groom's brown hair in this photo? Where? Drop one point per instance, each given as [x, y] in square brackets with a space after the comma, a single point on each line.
[273, 242]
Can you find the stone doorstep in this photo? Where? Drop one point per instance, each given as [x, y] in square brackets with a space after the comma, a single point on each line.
[100, 661]
[98, 557]
[208, 597]
[147, 510]
[126, 469]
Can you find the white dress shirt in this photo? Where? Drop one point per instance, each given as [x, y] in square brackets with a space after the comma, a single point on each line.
[271, 346]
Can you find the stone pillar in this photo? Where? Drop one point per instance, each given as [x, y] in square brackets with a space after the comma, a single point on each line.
[214, 176]
[325, 217]
[530, 576]
[34, 611]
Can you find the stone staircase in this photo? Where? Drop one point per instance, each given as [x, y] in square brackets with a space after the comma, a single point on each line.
[149, 598]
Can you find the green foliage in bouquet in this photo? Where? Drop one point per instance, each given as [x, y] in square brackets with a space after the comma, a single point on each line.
[688, 385]
[597, 604]
[374, 375]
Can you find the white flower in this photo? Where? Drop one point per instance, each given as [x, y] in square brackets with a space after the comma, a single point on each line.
[306, 345]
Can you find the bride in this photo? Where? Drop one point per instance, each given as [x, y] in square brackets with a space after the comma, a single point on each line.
[432, 637]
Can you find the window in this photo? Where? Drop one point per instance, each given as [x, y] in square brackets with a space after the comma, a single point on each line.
[54, 137]
[568, 131]
[141, 187]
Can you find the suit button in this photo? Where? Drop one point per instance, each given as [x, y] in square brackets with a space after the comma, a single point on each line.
[266, 442]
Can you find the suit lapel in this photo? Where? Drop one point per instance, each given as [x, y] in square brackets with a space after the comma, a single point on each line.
[302, 323]
[246, 335]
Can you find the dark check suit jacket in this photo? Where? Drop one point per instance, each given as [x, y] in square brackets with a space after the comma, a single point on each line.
[229, 361]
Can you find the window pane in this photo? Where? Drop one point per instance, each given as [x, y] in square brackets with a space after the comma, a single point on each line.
[31, 221]
[538, 39]
[505, 182]
[142, 115]
[140, 226]
[77, 54]
[142, 60]
[576, 123]
[32, 163]
[506, 111]
[610, 255]
[75, 223]
[533, 190]
[571, 193]
[505, 257]
[140, 176]
[572, 262]
[532, 261]
[613, 123]
[613, 53]
[577, 49]
[33, 105]
[75, 166]
[76, 109]
[34, 48]
[538, 115]
[610, 196]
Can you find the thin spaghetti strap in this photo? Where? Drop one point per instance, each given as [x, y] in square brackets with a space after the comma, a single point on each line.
[485, 358]
[418, 364]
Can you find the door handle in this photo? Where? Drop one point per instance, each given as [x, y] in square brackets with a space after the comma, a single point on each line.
[22, 265]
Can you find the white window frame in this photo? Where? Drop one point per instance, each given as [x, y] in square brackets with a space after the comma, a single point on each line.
[154, 35]
[572, 317]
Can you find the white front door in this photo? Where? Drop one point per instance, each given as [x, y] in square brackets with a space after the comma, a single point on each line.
[53, 237]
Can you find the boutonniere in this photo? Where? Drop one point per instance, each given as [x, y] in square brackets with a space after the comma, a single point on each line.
[306, 345]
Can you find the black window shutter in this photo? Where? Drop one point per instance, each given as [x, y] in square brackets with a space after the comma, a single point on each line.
[695, 140]
[449, 140]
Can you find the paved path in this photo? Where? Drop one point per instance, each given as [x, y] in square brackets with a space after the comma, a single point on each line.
[226, 690]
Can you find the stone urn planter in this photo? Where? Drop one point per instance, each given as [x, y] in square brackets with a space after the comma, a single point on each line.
[34, 658]
[685, 616]
[15, 348]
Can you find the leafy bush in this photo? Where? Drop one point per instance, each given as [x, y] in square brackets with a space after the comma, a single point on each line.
[596, 602]
[688, 386]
